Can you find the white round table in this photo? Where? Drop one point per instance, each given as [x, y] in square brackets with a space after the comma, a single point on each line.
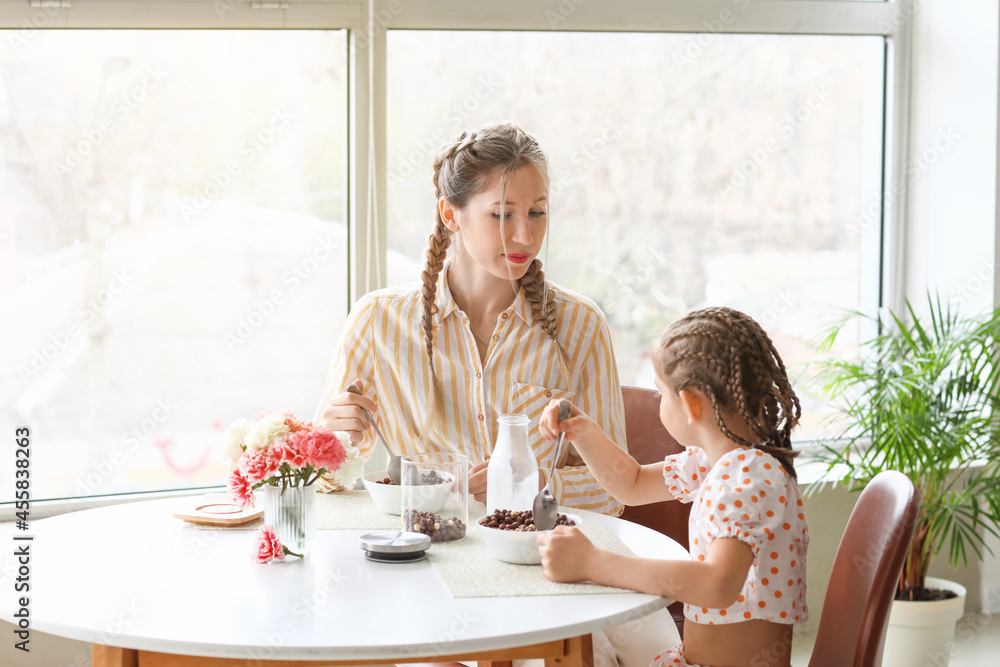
[131, 576]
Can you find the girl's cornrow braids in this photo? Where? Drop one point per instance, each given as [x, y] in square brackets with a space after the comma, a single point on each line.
[737, 391]
[778, 400]
[543, 308]
[784, 403]
[716, 333]
[717, 411]
[705, 387]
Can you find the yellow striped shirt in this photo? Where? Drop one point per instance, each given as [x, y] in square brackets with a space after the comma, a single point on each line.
[383, 345]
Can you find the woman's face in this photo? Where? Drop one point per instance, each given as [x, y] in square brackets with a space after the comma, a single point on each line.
[503, 250]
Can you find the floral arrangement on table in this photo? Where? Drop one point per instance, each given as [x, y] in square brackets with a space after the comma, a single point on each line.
[277, 450]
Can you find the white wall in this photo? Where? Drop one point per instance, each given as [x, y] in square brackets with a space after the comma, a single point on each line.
[951, 239]
[951, 203]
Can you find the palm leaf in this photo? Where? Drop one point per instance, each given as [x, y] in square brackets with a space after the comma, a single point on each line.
[922, 397]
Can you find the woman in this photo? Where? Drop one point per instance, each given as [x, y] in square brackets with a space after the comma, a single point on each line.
[483, 333]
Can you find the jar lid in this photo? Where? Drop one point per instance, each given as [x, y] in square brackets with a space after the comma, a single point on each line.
[395, 542]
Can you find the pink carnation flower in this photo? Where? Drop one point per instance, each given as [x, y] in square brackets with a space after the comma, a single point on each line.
[268, 546]
[257, 464]
[321, 448]
[240, 489]
[288, 452]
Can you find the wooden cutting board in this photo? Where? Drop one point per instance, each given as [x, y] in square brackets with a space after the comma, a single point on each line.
[215, 512]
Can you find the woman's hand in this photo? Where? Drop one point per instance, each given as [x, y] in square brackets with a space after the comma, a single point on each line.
[567, 554]
[344, 412]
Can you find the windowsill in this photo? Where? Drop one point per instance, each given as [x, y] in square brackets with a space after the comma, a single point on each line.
[41, 509]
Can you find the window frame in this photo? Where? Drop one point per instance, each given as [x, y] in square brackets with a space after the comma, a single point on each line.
[368, 21]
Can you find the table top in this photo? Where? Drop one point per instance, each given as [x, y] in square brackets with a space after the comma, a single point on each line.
[132, 576]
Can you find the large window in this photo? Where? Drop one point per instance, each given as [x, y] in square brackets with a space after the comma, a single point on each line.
[191, 194]
[173, 242]
[687, 170]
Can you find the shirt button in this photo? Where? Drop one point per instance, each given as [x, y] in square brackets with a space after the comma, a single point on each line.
[480, 418]
[496, 337]
[548, 394]
[479, 375]
[504, 316]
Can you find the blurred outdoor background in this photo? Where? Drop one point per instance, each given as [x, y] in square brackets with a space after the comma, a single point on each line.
[172, 211]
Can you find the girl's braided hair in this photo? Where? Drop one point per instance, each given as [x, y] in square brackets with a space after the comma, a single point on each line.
[728, 357]
[465, 167]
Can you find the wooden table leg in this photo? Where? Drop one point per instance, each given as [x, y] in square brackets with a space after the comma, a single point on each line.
[114, 656]
[578, 652]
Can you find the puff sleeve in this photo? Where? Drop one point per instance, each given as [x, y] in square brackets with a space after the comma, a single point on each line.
[683, 473]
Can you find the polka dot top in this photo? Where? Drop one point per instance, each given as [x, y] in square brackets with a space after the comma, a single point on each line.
[749, 496]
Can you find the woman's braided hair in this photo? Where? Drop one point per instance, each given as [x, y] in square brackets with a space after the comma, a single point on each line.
[728, 357]
[465, 167]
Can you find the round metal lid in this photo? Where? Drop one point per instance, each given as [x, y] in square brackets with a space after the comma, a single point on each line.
[395, 542]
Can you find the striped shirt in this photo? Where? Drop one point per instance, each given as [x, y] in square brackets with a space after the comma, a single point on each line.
[383, 345]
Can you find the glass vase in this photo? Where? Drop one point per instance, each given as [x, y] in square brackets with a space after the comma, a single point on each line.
[292, 513]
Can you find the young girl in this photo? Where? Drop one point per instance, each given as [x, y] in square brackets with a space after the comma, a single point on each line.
[727, 398]
[483, 333]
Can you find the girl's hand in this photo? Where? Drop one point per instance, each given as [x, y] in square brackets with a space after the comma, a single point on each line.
[477, 481]
[567, 554]
[343, 412]
[578, 427]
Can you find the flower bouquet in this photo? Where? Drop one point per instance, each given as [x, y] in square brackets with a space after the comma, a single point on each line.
[287, 456]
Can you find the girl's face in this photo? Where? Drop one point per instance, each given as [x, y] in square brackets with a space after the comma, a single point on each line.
[503, 250]
[672, 413]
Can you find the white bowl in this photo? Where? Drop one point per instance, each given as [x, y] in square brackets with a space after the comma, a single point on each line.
[389, 497]
[516, 546]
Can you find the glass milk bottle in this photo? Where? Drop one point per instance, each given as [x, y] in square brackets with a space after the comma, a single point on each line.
[512, 475]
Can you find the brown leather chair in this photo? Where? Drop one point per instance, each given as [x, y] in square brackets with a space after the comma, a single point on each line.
[649, 442]
[865, 574]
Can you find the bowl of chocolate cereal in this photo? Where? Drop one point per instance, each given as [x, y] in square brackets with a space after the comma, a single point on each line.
[434, 491]
[511, 536]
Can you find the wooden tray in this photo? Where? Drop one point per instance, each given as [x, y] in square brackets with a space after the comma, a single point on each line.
[216, 512]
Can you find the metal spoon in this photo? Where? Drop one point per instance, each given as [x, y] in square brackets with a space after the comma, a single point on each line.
[393, 468]
[545, 509]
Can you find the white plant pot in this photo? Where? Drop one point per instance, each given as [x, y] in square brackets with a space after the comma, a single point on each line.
[922, 633]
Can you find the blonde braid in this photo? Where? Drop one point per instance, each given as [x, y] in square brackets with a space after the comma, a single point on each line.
[438, 243]
[540, 298]
[437, 250]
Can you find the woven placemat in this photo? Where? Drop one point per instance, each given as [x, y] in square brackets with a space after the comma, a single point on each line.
[469, 570]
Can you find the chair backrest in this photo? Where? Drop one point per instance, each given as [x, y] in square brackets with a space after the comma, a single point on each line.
[649, 442]
[865, 574]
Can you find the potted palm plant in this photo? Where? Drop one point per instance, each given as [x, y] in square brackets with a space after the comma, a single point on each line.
[922, 398]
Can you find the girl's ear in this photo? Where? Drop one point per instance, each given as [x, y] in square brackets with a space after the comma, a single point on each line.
[447, 212]
[692, 402]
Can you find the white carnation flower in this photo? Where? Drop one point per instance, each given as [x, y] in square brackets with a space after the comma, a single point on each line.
[266, 430]
[353, 466]
[233, 445]
[351, 469]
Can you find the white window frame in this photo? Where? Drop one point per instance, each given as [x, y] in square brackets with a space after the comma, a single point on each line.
[367, 22]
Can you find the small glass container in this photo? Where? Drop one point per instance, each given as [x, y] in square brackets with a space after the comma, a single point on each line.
[435, 490]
